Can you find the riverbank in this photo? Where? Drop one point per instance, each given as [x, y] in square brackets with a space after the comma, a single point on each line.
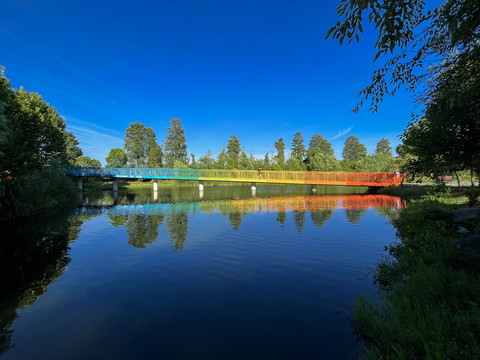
[429, 283]
[91, 185]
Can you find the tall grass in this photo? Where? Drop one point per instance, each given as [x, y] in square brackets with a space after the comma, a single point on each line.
[430, 289]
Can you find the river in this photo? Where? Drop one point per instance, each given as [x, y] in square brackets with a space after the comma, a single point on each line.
[224, 275]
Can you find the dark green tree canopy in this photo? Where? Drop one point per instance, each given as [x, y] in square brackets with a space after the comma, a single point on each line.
[319, 142]
[280, 146]
[175, 143]
[32, 133]
[116, 158]
[141, 146]
[86, 161]
[233, 151]
[298, 147]
[383, 147]
[353, 150]
[447, 34]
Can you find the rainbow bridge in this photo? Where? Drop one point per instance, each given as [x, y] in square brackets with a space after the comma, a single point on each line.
[369, 179]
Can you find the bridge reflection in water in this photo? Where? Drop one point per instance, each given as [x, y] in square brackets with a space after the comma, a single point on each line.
[142, 221]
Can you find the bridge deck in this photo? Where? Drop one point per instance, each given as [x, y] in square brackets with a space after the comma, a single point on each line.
[379, 179]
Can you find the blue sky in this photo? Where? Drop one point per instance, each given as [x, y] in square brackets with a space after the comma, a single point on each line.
[258, 69]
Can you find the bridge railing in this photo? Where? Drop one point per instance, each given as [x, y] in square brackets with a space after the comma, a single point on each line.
[300, 177]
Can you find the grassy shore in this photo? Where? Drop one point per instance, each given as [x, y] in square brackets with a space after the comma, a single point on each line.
[429, 283]
[107, 184]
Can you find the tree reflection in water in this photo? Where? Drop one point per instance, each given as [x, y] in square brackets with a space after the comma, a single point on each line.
[177, 228]
[143, 229]
[143, 221]
[299, 219]
[320, 217]
[33, 255]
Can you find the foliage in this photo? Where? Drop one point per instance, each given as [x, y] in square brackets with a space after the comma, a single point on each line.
[73, 150]
[280, 146]
[417, 34]
[353, 149]
[141, 146]
[36, 132]
[319, 142]
[429, 287]
[34, 146]
[318, 160]
[447, 137]
[473, 193]
[298, 147]
[86, 161]
[26, 195]
[206, 161]
[380, 162]
[116, 158]
[175, 143]
[383, 147]
[233, 151]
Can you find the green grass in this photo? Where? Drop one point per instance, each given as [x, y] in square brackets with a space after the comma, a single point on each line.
[107, 184]
[430, 288]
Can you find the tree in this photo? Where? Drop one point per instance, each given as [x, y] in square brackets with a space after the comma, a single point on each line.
[140, 143]
[5, 99]
[320, 161]
[298, 147]
[319, 142]
[155, 156]
[206, 161]
[36, 132]
[73, 150]
[233, 151]
[353, 149]
[449, 33]
[280, 146]
[383, 147]
[446, 139]
[221, 161]
[175, 143]
[116, 158]
[86, 161]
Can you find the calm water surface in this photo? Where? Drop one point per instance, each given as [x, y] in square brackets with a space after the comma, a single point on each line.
[171, 276]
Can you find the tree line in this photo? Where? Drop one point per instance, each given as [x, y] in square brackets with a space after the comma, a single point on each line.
[141, 149]
[34, 148]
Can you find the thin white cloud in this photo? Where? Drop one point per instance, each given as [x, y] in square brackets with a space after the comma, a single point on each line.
[94, 143]
[342, 132]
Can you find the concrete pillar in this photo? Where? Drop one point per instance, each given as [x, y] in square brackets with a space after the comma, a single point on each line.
[115, 185]
[200, 185]
[79, 183]
[155, 195]
[314, 188]
[115, 197]
[155, 185]
[254, 186]
[200, 194]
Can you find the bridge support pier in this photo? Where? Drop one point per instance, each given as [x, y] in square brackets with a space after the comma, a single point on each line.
[200, 195]
[200, 185]
[254, 189]
[115, 197]
[115, 185]
[79, 183]
[314, 188]
[155, 185]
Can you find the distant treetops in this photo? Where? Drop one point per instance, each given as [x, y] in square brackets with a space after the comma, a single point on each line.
[142, 150]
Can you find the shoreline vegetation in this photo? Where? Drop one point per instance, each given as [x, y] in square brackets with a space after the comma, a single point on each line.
[429, 282]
